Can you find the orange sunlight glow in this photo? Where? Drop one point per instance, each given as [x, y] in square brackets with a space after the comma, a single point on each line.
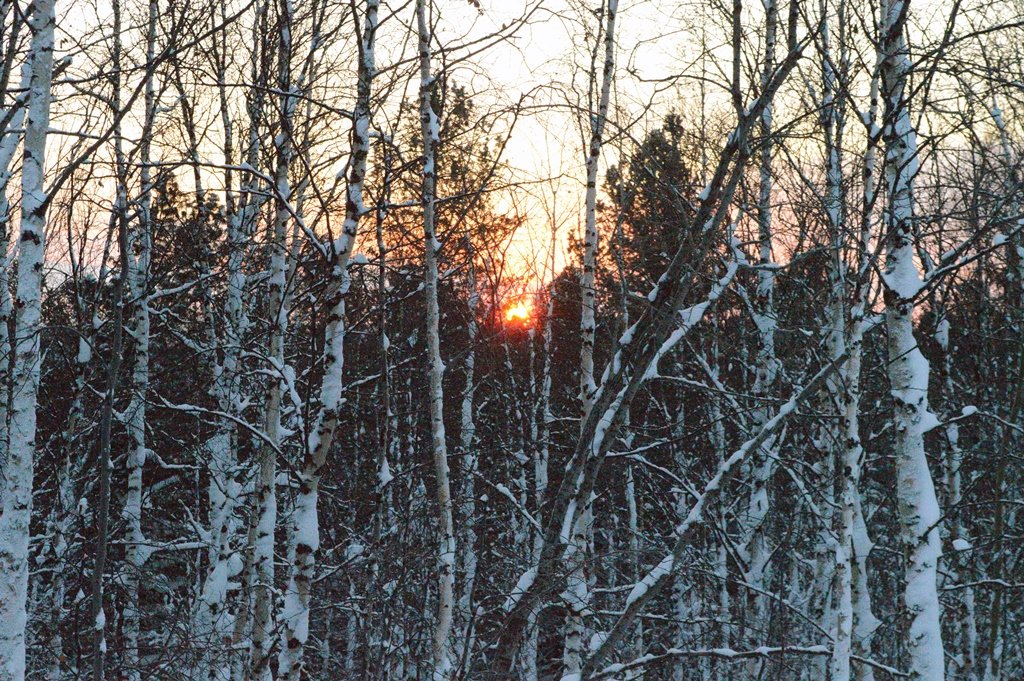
[520, 311]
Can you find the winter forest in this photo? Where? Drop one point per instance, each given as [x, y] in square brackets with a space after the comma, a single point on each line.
[565, 340]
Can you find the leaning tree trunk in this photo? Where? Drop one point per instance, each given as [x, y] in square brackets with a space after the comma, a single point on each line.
[918, 507]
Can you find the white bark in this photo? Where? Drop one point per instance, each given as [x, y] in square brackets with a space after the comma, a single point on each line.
[8, 147]
[304, 532]
[860, 545]
[213, 624]
[240, 228]
[723, 606]
[119, 221]
[138, 261]
[908, 370]
[577, 594]
[65, 509]
[598, 118]
[964, 665]
[467, 443]
[429, 130]
[755, 548]
[850, 626]
[388, 443]
[636, 568]
[17, 500]
[261, 644]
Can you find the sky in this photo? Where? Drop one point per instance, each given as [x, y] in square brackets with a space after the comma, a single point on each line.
[543, 64]
[546, 60]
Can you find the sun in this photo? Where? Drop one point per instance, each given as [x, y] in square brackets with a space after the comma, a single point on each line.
[520, 311]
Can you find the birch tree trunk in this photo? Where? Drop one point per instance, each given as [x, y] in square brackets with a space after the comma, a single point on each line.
[908, 369]
[261, 644]
[17, 499]
[102, 511]
[304, 532]
[846, 328]
[138, 261]
[64, 512]
[241, 227]
[72, 448]
[389, 436]
[8, 148]
[133, 500]
[6, 345]
[963, 666]
[429, 130]
[755, 548]
[860, 545]
[577, 593]
[212, 626]
[467, 443]
[1015, 277]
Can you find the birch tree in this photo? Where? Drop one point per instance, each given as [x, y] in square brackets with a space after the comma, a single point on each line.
[599, 98]
[304, 537]
[429, 131]
[691, 441]
[908, 369]
[265, 517]
[17, 499]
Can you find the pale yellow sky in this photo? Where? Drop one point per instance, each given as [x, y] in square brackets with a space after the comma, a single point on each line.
[547, 60]
[659, 68]
[542, 62]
